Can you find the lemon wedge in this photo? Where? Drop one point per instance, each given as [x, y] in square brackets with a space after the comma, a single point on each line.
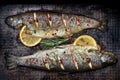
[85, 40]
[27, 39]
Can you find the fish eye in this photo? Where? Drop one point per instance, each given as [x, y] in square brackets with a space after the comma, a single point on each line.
[11, 19]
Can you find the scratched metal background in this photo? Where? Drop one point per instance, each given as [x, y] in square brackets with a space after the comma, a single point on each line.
[109, 39]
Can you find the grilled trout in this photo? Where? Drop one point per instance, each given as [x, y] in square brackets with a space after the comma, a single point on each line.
[68, 58]
[50, 24]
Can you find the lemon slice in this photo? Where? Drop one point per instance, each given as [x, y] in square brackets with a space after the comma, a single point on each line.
[85, 40]
[28, 40]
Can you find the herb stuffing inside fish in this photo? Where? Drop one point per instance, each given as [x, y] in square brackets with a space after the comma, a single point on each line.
[69, 58]
[51, 24]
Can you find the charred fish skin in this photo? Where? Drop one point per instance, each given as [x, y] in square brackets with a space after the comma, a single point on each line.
[65, 58]
[51, 25]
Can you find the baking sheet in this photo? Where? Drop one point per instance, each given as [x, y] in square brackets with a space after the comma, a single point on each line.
[109, 39]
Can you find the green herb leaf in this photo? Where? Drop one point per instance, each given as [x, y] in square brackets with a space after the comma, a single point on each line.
[52, 42]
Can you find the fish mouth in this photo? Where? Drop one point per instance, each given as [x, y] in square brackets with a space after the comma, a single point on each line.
[10, 21]
[109, 59]
[115, 60]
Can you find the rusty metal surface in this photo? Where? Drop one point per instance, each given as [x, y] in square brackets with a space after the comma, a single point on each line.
[109, 39]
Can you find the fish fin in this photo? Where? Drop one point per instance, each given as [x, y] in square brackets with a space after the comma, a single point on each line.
[11, 61]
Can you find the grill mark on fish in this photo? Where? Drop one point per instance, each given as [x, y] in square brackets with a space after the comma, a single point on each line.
[73, 58]
[60, 62]
[35, 19]
[77, 20]
[88, 60]
[46, 64]
[67, 29]
[64, 20]
[74, 61]
[78, 60]
[90, 65]
[49, 19]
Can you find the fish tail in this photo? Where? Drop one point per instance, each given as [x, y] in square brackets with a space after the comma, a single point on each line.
[11, 61]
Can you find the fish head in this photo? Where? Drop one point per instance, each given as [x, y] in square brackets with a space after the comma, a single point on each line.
[14, 21]
[108, 58]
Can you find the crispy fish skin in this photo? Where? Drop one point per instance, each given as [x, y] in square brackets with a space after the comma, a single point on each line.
[52, 25]
[69, 58]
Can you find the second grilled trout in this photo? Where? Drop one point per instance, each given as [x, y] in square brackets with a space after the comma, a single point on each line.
[65, 58]
[51, 24]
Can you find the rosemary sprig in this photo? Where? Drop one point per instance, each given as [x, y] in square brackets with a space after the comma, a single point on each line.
[52, 42]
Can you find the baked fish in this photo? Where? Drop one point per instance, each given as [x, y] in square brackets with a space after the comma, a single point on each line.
[50, 24]
[68, 58]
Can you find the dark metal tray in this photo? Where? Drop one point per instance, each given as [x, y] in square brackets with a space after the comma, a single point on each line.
[109, 39]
